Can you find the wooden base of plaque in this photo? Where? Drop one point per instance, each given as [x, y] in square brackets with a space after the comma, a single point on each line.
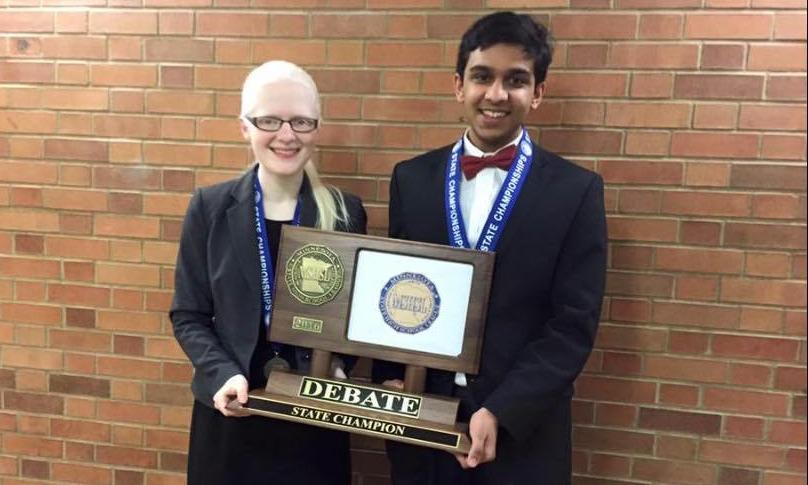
[361, 408]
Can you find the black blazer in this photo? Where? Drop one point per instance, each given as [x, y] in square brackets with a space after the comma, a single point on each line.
[547, 289]
[217, 298]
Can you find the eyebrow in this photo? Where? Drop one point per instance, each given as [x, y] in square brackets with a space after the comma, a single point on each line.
[510, 72]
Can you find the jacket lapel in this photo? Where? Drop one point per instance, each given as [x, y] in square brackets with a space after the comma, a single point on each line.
[528, 202]
[241, 221]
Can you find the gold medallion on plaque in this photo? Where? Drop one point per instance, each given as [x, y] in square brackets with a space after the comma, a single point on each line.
[314, 274]
[409, 303]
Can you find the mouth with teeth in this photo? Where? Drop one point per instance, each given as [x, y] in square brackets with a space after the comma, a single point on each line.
[284, 152]
[492, 115]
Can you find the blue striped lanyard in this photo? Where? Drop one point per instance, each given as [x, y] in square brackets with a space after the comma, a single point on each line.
[264, 255]
[503, 204]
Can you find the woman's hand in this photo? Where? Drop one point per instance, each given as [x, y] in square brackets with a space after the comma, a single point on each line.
[235, 388]
[394, 383]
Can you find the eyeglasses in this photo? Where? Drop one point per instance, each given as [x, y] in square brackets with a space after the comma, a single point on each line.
[298, 124]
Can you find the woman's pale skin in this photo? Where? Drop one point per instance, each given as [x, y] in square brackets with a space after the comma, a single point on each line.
[281, 156]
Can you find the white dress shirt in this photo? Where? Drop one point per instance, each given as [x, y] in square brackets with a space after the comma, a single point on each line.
[476, 200]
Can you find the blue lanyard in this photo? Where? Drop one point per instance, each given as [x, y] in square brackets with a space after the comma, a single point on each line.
[264, 255]
[503, 204]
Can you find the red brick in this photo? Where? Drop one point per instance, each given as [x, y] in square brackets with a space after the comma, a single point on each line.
[81, 473]
[786, 87]
[633, 284]
[750, 375]
[773, 118]
[755, 347]
[790, 294]
[768, 320]
[714, 145]
[699, 260]
[404, 54]
[212, 24]
[740, 454]
[687, 369]
[777, 57]
[123, 22]
[706, 204]
[790, 378]
[116, 455]
[637, 229]
[594, 26]
[768, 177]
[729, 57]
[569, 84]
[31, 446]
[679, 421]
[693, 343]
[790, 26]
[654, 56]
[684, 472]
[26, 21]
[613, 440]
[623, 390]
[618, 337]
[715, 116]
[727, 26]
[587, 55]
[661, 26]
[718, 86]
[743, 427]
[71, 47]
[179, 50]
[783, 147]
[765, 236]
[704, 288]
[747, 402]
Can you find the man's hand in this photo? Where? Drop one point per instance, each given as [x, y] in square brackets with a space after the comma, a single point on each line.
[235, 388]
[483, 432]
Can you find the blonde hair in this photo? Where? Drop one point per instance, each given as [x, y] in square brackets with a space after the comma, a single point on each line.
[329, 200]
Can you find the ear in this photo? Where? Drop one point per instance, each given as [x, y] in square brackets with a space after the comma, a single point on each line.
[458, 88]
[245, 130]
[538, 95]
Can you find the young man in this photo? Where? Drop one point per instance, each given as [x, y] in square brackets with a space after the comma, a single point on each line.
[545, 219]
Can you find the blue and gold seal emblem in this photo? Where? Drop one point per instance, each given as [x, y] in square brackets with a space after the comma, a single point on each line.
[409, 303]
[314, 274]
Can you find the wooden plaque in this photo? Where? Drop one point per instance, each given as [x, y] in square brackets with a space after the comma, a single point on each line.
[324, 325]
[419, 304]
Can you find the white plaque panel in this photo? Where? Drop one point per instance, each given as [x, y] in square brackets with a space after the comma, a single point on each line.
[451, 280]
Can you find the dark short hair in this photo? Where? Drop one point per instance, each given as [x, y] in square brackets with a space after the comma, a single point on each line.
[509, 28]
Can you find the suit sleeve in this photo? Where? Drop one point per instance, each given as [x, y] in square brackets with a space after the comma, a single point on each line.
[383, 370]
[192, 310]
[549, 364]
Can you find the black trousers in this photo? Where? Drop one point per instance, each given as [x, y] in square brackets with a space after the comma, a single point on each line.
[543, 459]
[255, 450]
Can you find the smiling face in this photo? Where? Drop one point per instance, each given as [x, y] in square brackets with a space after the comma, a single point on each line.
[498, 90]
[283, 152]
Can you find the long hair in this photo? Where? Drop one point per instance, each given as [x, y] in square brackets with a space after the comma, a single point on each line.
[328, 199]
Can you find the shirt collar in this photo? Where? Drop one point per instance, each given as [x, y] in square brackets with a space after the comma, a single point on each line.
[470, 149]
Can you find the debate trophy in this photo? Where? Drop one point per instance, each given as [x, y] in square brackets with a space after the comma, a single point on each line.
[419, 304]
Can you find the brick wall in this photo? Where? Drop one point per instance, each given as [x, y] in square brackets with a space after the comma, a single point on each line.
[694, 111]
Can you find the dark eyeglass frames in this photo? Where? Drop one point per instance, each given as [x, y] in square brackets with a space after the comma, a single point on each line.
[298, 124]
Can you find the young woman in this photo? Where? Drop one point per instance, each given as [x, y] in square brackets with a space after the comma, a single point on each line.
[221, 315]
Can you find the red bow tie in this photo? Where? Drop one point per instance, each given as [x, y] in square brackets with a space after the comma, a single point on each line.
[471, 166]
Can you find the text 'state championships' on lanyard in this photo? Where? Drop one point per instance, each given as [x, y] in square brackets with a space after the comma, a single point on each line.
[503, 204]
[264, 256]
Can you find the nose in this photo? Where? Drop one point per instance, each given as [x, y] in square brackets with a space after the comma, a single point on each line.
[285, 131]
[496, 92]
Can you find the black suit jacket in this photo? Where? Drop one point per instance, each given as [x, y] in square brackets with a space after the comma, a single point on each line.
[217, 297]
[547, 289]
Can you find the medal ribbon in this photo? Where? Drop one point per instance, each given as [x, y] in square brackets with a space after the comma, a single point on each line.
[503, 204]
[264, 255]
